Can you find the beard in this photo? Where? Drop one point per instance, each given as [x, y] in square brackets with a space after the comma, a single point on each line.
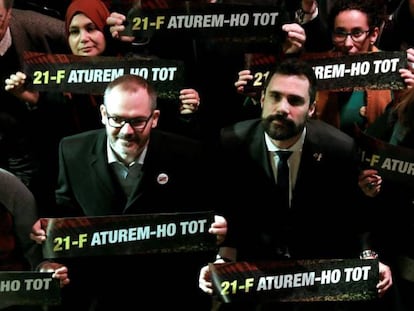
[283, 129]
[128, 147]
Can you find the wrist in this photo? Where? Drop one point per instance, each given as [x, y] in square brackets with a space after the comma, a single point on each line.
[368, 254]
[221, 259]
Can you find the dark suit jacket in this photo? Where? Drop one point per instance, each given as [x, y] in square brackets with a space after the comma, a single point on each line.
[86, 186]
[325, 217]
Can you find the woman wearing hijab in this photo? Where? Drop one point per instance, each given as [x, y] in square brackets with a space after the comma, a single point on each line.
[54, 114]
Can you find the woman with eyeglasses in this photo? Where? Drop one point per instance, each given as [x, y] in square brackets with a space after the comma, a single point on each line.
[355, 27]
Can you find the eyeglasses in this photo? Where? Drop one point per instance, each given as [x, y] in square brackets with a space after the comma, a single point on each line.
[137, 123]
[356, 35]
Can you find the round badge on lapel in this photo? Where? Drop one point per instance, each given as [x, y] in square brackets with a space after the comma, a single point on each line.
[162, 178]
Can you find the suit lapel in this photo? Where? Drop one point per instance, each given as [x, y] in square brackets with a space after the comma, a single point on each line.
[103, 175]
[154, 155]
[312, 155]
[258, 151]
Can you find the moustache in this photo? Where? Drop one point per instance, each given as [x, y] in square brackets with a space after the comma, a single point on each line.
[128, 137]
[278, 117]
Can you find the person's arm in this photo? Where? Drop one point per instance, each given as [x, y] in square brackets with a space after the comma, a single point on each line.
[60, 272]
[219, 228]
[15, 84]
[225, 254]
[318, 36]
[21, 205]
[385, 274]
[370, 183]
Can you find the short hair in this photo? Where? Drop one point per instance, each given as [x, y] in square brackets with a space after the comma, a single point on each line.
[294, 66]
[131, 82]
[374, 9]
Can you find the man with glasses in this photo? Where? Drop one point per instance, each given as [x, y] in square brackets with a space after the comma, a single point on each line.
[129, 167]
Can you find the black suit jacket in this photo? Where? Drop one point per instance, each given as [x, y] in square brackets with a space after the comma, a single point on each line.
[87, 187]
[326, 218]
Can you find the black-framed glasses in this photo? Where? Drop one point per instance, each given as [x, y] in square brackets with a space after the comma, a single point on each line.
[356, 35]
[137, 123]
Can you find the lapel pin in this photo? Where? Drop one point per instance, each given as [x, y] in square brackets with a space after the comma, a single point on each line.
[317, 156]
[162, 178]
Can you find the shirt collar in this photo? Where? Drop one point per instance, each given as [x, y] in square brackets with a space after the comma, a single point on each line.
[6, 42]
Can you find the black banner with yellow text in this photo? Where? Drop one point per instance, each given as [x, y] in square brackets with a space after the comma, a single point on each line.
[90, 75]
[128, 234]
[296, 280]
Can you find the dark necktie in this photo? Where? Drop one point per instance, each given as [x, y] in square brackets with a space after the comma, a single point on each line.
[283, 177]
